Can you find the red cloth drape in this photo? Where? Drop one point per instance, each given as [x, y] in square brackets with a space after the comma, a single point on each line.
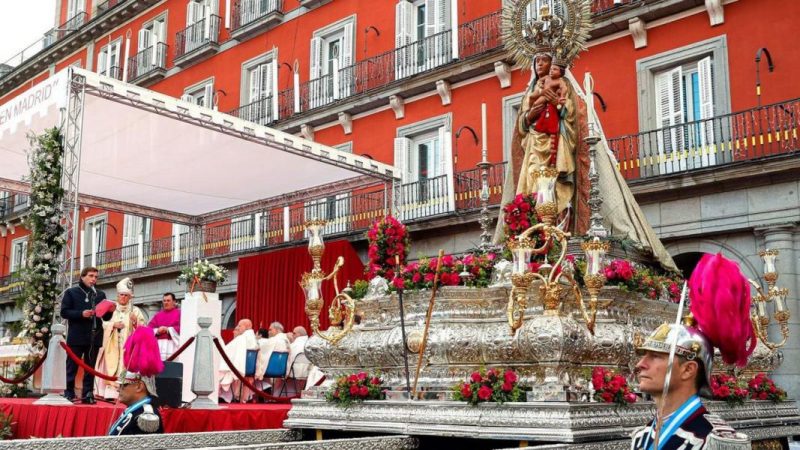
[46, 421]
[269, 284]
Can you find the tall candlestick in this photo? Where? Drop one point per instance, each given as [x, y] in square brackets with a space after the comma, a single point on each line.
[483, 132]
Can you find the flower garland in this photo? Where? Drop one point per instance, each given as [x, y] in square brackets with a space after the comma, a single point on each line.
[611, 387]
[355, 388]
[420, 275]
[40, 289]
[388, 238]
[489, 386]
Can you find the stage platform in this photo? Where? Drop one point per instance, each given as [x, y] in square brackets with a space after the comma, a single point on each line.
[46, 421]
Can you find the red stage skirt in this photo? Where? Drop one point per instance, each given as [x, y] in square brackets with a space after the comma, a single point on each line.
[44, 421]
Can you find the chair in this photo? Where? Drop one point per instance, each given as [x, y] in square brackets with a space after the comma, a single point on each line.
[276, 367]
[249, 369]
[300, 365]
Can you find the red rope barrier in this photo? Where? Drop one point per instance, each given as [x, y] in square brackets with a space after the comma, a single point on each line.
[181, 349]
[85, 366]
[244, 381]
[27, 374]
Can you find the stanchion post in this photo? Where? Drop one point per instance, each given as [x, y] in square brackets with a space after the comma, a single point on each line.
[203, 376]
[54, 370]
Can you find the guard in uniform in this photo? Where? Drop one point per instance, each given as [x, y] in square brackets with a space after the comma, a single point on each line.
[137, 387]
[682, 422]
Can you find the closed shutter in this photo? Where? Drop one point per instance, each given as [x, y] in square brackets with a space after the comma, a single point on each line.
[159, 37]
[404, 35]
[102, 61]
[402, 196]
[187, 98]
[143, 40]
[208, 93]
[315, 86]
[669, 112]
[446, 165]
[273, 66]
[346, 62]
[707, 139]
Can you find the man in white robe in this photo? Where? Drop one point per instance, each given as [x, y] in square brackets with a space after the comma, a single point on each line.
[244, 340]
[277, 342]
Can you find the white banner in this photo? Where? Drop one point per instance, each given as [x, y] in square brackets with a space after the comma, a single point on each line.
[36, 100]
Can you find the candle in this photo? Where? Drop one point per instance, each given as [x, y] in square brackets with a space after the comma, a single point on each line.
[483, 132]
[588, 87]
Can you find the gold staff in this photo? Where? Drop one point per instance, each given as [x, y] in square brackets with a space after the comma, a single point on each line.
[424, 342]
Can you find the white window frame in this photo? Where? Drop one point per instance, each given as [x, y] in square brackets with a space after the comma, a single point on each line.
[152, 33]
[251, 238]
[135, 231]
[103, 59]
[95, 237]
[204, 88]
[324, 89]
[420, 55]
[651, 69]
[179, 251]
[201, 12]
[414, 199]
[19, 254]
[264, 112]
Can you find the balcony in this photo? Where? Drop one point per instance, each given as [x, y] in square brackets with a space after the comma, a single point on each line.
[10, 285]
[250, 17]
[14, 206]
[757, 134]
[149, 65]
[259, 111]
[309, 4]
[347, 213]
[114, 72]
[65, 29]
[107, 6]
[197, 42]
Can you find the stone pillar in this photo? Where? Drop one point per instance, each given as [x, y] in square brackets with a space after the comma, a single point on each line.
[203, 376]
[54, 370]
[782, 238]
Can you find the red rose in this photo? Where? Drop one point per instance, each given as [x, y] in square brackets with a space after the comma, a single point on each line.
[724, 391]
[630, 397]
[762, 396]
[416, 278]
[375, 381]
[361, 376]
[466, 391]
[363, 391]
[429, 278]
[354, 390]
[352, 379]
[607, 397]
[510, 376]
[507, 387]
[475, 377]
[447, 260]
[399, 283]
[485, 393]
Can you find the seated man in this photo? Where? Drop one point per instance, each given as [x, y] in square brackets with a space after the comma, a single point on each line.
[297, 347]
[244, 340]
[277, 342]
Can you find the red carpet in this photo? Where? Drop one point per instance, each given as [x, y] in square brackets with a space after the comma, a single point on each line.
[43, 421]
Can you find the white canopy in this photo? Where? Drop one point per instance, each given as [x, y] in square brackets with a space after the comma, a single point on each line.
[141, 148]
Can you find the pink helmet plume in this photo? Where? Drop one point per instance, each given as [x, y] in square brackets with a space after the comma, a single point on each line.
[720, 303]
[141, 353]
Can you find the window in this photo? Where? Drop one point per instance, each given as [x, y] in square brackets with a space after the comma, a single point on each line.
[94, 240]
[180, 242]
[420, 36]
[260, 83]
[108, 60]
[423, 153]
[245, 232]
[151, 53]
[134, 228]
[332, 51]
[19, 253]
[200, 26]
[201, 94]
[680, 93]
[74, 7]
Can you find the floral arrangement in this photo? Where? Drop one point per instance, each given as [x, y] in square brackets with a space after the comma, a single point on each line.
[23, 365]
[611, 387]
[388, 239]
[355, 388]
[420, 275]
[489, 386]
[728, 388]
[203, 270]
[643, 280]
[519, 215]
[762, 387]
[40, 276]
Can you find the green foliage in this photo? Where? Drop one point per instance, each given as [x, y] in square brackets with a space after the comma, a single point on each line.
[360, 288]
[6, 429]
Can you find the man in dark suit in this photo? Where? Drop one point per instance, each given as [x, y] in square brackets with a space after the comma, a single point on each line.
[85, 332]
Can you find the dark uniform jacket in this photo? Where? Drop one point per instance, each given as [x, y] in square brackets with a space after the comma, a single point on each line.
[689, 435]
[139, 418]
[82, 330]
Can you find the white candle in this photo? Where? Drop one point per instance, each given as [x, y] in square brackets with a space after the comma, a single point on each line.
[483, 132]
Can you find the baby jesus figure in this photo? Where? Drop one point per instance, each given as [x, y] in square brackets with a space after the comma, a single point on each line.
[548, 120]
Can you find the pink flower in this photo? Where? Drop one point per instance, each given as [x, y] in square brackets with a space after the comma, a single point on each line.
[375, 381]
[630, 397]
[399, 283]
[466, 391]
[485, 393]
[429, 277]
[469, 259]
[507, 387]
[510, 376]
[363, 391]
[416, 278]
[354, 390]
[352, 379]
[361, 376]
[447, 260]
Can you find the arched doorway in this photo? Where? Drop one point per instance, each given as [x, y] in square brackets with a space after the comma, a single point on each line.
[686, 262]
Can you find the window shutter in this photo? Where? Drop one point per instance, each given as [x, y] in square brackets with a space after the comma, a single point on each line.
[706, 88]
[346, 55]
[402, 151]
[431, 17]
[191, 13]
[442, 15]
[209, 96]
[102, 60]
[143, 40]
[404, 35]
[669, 108]
[187, 98]
[273, 87]
[316, 57]
[446, 164]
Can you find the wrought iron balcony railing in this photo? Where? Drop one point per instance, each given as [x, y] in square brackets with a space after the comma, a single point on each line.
[113, 72]
[753, 134]
[246, 12]
[605, 6]
[147, 61]
[259, 111]
[346, 213]
[10, 285]
[107, 6]
[14, 204]
[196, 36]
[70, 26]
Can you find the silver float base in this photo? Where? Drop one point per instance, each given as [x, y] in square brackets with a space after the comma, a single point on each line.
[534, 422]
